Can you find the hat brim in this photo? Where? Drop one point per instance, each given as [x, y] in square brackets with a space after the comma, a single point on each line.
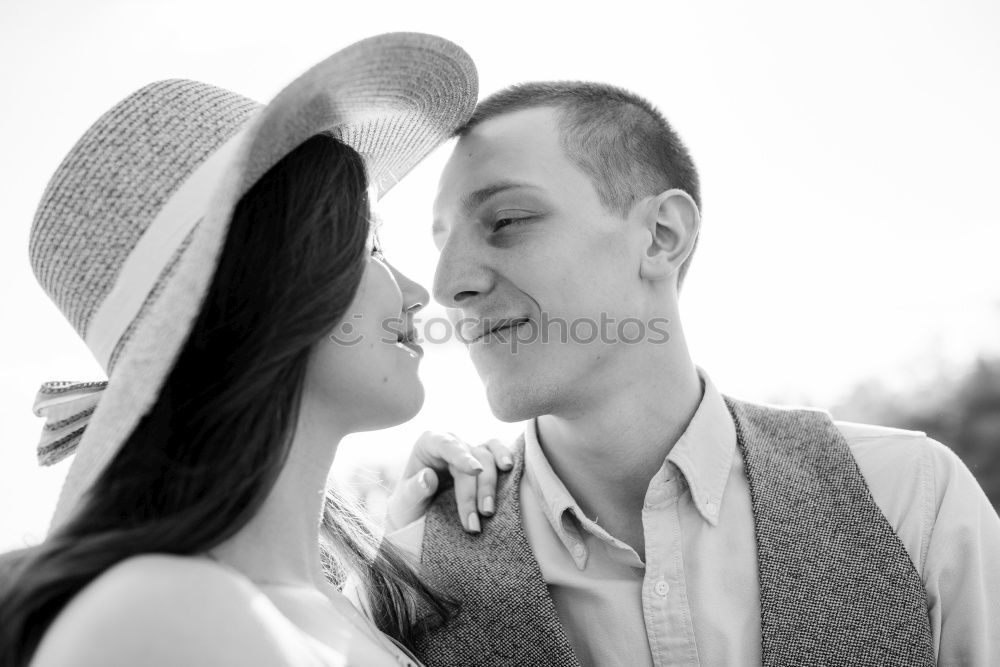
[394, 98]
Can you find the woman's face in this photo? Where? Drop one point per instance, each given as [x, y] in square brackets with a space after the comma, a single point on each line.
[363, 375]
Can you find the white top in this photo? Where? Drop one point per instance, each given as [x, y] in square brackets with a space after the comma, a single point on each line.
[159, 610]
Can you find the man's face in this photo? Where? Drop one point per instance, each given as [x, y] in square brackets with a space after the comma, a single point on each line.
[525, 239]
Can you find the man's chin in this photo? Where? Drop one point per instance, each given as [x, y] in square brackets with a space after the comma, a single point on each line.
[511, 403]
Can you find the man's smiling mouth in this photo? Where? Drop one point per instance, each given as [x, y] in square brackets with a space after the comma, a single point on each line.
[499, 330]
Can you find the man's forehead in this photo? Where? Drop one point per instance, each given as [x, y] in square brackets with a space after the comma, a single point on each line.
[496, 155]
[508, 125]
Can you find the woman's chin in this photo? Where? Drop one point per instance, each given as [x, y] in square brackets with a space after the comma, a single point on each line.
[414, 401]
[397, 408]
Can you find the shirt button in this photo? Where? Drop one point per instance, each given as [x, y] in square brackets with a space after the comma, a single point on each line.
[662, 588]
[579, 551]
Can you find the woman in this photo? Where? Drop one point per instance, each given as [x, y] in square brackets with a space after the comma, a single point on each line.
[217, 258]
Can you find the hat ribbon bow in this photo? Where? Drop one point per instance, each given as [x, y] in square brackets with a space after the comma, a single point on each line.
[67, 407]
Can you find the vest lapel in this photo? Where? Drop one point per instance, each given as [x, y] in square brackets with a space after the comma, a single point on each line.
[506, 615]
[836, 584]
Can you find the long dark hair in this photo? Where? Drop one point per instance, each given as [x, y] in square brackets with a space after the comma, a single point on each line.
[202, 461]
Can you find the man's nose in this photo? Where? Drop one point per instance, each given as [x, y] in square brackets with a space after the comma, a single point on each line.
[462, 273]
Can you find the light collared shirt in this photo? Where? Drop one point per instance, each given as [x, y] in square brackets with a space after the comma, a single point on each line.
[696, 599]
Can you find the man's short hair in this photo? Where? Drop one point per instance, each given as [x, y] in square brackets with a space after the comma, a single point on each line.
[620, 140]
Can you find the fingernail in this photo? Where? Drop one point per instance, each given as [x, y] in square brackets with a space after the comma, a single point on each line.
[474, 462]
[474, 522]
[506, 462]
[422, 480]
[488, 505]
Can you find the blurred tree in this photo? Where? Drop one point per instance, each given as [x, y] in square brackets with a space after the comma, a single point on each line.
[961, 412]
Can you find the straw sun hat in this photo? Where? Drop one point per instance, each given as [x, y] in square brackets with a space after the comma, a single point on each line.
[129, 229]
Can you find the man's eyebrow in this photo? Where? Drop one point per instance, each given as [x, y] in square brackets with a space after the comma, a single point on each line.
[477, 198]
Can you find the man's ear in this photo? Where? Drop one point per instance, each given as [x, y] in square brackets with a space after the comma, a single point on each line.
[673, 221]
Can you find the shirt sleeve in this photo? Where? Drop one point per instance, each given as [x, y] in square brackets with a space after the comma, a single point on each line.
[409, 539]
[961, 571]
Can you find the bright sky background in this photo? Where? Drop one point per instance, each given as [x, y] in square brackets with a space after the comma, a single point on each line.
[848, 153]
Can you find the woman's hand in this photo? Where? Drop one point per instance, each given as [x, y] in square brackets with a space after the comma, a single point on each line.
[435, 457]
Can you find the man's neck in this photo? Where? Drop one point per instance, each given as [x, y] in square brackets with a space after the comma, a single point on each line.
[607, 454]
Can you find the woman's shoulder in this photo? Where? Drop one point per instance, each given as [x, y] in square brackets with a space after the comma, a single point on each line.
[168, 610]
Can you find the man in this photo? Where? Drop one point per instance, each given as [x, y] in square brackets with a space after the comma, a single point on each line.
[649, 520]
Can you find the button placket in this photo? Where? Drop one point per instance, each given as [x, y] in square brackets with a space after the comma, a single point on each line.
[667, 614]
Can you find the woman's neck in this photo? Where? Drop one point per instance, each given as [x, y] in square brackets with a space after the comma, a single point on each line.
[280, 543]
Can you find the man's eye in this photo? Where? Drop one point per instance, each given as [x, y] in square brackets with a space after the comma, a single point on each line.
[504, 222]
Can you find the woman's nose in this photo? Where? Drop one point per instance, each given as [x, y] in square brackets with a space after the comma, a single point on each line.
[415, 296]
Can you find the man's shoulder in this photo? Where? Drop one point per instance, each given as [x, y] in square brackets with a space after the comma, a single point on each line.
[896, 448]
[864, 440]
[855, 432]
[899, 454]
[909, 476]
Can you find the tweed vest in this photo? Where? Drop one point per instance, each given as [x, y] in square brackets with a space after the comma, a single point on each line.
[837, 586]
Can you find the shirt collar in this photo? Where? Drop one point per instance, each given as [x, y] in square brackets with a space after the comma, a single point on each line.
[704, 455]
[556, 502]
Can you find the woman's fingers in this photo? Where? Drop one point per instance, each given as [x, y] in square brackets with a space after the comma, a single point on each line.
[441, 451]
[465, 499]
[501, 453]
[486, 481]
[473, 470]
[410, 499]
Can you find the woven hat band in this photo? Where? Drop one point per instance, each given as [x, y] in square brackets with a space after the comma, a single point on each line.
[146, 262]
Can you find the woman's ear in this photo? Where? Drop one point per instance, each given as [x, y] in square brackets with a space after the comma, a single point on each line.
[673, 221]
